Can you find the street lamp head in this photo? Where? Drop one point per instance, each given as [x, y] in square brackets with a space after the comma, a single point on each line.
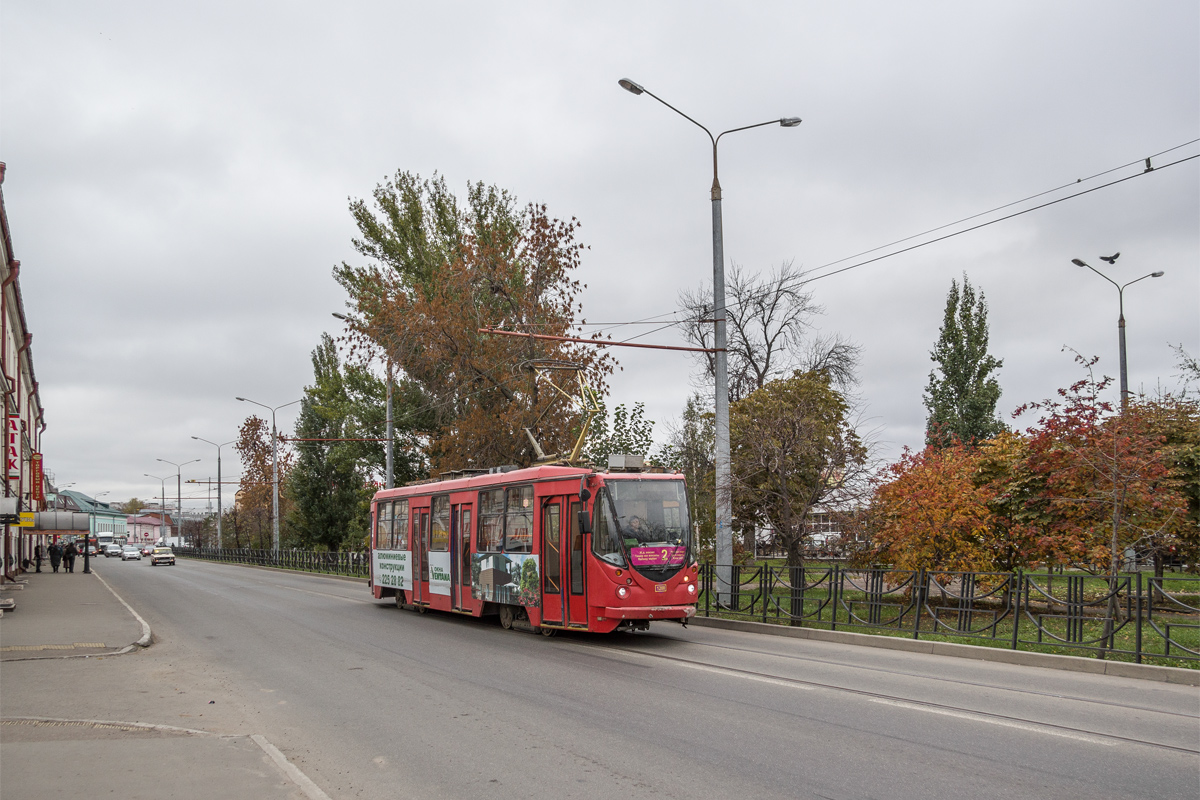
[240, 398]
[630, 86]
[1079, 262]
[790, 122]
[342, 317]
[1158, 274]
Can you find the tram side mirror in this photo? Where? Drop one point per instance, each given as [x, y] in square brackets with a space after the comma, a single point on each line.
[585, 494]
[585, 522]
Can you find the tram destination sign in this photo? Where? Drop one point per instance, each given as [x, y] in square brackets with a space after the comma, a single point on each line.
[392, 568]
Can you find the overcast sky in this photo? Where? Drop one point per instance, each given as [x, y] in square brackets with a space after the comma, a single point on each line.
[178, 177]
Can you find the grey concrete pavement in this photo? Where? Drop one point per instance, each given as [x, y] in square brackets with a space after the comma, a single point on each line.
[60, 613]
[44, 759]
[62, 617]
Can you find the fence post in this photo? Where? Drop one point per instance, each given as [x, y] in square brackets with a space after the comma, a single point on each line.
[918, 593]
[1016, 606]
[765, 584]
[834, 589]
[1138, 627]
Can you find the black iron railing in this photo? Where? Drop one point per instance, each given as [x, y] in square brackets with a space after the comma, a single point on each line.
[340, 563]
[1136, 616]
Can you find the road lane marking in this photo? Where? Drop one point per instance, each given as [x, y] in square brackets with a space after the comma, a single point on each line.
[324, 594]
[1004, 723]
[310, 789]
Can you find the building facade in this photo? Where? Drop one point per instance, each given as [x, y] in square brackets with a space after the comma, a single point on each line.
[24, 476]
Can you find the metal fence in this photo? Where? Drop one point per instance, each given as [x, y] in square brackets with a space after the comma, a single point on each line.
[1140, 616]
[342, 563]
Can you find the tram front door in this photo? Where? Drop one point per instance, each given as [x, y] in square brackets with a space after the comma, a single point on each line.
[420, 550]
[563, 598]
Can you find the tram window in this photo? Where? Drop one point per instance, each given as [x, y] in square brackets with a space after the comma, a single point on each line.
[604, 532]
[491, 521]
[551, 551]
[383, 525]
[439, 518]
[518, 520]
[400, 526]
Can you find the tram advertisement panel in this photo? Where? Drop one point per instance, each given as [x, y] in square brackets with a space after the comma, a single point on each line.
[657, 556]
[392, 568]
[439, 573]
[509, 579]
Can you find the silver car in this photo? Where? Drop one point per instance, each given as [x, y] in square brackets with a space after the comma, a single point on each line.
[130, 553]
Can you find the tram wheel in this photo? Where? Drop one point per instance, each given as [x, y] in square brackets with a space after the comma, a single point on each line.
[548, 632]
[421, 608]
[506, 617]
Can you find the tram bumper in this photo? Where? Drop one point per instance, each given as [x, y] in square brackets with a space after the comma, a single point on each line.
[649, 612]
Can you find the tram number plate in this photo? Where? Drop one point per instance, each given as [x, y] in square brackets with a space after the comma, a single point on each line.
[660, 587]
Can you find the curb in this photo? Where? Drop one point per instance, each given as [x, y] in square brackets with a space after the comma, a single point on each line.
[1095, 666]
[146, 634]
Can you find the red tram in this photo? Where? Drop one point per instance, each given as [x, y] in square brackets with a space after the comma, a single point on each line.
[546, 548]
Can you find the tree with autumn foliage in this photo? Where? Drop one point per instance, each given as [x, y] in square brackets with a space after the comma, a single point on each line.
[792, 448]
[1107, 479]
[955, 508]
[254, 507]
[440, 273]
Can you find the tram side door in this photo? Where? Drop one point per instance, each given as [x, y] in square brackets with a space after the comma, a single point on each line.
[564, 601]
[420, 546]
[460, 556]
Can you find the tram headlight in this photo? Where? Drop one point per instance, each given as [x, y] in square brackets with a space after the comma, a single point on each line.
[691, 588]
[622, 592]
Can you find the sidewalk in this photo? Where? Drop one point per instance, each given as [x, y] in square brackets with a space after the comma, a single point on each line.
[75, 616]
[59, 614]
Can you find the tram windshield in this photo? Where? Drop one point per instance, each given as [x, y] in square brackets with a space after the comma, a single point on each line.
[643, 523]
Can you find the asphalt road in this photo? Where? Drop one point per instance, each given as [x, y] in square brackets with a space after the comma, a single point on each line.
[371, 701]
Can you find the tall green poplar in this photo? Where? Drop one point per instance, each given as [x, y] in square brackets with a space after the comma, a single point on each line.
[962, 393]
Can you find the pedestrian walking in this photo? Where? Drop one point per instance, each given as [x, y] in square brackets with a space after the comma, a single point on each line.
[55, 556]
[69, 556]
[39, 553]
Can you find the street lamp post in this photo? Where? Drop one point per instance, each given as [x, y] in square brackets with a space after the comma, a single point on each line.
[87, 540]
[390, 438]
[163, 482]
[1120, 318]
[218, 446]
[178, 492]
[274, 467]
[724, 494]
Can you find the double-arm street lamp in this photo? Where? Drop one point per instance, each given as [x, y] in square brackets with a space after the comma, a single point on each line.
[178, 492]
[390, 437]
[274, 467]
[1121, 318]
[724, 498]
[218, 446]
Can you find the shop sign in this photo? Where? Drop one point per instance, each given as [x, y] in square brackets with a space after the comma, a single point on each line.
[35, 477]
[14, 446]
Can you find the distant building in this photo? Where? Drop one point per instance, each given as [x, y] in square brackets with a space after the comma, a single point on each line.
[105, 519]
[149, 528]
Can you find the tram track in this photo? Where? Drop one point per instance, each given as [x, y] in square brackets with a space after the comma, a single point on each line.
[928, 706]
[907, 674]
